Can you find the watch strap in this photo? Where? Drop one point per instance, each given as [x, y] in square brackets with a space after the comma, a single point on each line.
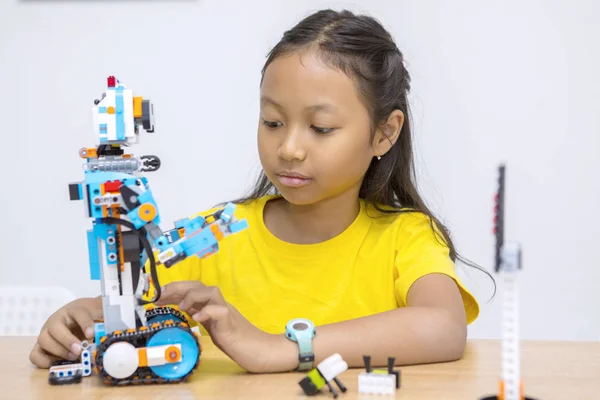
[306, 355]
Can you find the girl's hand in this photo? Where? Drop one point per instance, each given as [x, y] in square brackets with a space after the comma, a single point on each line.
[229, 330]
[61, 335]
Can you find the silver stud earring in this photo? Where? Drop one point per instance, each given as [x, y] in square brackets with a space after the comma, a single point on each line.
[378, 157]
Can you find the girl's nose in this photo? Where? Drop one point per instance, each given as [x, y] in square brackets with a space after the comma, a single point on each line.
[291, 148]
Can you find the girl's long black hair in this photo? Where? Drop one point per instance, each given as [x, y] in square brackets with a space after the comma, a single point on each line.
[359, 46]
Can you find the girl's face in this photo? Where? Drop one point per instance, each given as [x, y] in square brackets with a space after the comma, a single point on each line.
[313, 131]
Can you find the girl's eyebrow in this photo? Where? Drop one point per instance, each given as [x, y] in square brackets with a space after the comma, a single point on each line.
[327, 107]
[322, 107]
[266, 100]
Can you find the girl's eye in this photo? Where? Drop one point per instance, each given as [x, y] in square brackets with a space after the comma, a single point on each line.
[272, 124]
[322, 130]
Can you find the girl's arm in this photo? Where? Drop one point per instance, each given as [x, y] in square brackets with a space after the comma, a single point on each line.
[432, 328]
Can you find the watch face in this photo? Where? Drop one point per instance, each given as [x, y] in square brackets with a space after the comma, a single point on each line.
[300, 326]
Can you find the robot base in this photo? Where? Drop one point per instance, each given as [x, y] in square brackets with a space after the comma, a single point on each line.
[166, 351]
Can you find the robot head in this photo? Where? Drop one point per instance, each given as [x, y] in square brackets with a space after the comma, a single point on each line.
[118, 116]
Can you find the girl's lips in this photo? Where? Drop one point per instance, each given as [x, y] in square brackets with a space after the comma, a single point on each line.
[293, 180]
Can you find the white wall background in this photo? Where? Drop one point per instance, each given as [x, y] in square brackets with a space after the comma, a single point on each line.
[493, 81]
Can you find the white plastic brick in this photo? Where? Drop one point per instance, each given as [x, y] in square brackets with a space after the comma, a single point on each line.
[372, 383]
[332, 366]
[156, 354]
[86, 362]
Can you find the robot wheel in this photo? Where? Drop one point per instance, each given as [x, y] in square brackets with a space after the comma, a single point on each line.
[166, 351]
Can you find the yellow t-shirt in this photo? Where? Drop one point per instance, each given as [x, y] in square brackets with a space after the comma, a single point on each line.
[367, 269]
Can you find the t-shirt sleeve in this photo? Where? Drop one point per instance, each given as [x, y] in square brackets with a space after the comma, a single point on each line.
[420, 252]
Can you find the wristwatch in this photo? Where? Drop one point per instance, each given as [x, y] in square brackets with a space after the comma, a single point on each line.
[302, 331]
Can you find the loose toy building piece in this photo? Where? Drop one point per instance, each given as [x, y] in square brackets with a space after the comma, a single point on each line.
[379, 381]
[66, 372]
[325, 372]
[508, 263]
[136, 342]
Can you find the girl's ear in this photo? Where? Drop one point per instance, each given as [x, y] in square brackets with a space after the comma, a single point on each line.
[388, 133]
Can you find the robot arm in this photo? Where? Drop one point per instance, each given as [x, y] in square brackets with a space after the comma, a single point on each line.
[198, 236]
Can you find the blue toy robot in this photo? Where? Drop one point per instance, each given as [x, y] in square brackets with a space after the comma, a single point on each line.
[137, 343]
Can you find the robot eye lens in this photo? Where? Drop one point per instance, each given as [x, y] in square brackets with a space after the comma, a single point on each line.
[300, 326]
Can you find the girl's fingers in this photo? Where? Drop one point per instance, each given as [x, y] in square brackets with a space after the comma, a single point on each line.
[41, 358]
[211, 312]
[171, 299]
[50, 345]
[201, 297]
[175, 291]
[84, 320]
[66, 338]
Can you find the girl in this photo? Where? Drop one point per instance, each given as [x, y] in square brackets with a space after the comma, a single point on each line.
[338, 234]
